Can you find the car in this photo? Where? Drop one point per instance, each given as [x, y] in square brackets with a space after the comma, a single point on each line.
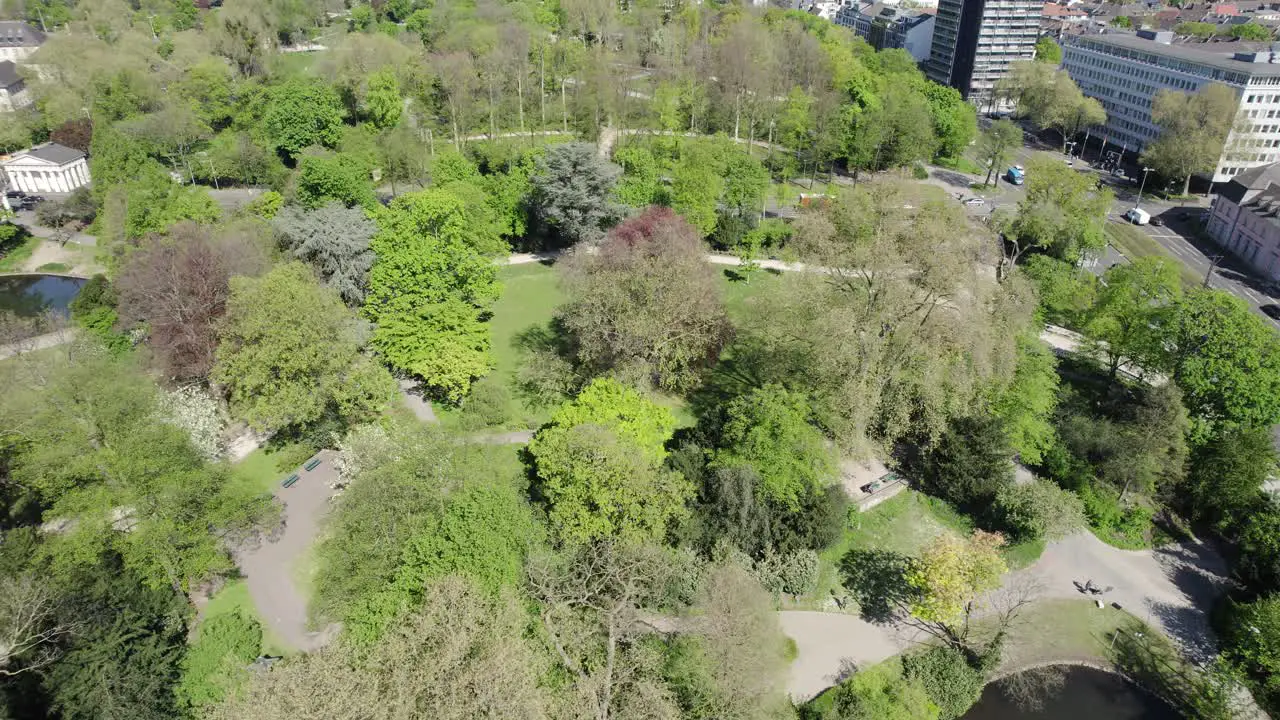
[1157, 221]
[1271, 310]
[1271, 288]
[975, 201]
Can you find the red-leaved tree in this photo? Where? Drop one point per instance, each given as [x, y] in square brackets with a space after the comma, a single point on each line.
[177, 285]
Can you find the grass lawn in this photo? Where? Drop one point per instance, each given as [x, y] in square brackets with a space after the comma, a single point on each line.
[1068, 630]
[1135, 243]
[13, 260]
[234, 597]
[962, 164]
[259, 468]
[54, 267]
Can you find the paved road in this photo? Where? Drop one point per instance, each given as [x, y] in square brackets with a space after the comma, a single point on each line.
[39, 342]
[269, 569]
[1170, 588]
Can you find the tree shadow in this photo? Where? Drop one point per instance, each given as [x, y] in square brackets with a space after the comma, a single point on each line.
[877, 579]
[547, 374]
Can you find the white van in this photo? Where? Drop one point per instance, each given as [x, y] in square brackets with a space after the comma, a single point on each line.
[1138, 216]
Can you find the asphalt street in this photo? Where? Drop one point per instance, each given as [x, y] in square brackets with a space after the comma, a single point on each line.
[1180, 238]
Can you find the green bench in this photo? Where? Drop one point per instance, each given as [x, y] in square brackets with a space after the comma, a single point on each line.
[312, 465]
[290, 480]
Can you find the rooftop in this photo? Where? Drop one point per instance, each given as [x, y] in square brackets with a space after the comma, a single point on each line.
[9, 74]
[1250, 182]
[14, 33]
[53, 152]
[1221, 60]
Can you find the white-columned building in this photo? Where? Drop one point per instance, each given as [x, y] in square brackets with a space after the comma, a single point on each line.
[48, 168]
[1124, 71]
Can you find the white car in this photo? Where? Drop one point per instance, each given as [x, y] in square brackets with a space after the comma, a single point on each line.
[975, 201]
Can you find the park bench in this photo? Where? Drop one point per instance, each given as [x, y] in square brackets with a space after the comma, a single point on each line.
[312, 464]
[290, 480]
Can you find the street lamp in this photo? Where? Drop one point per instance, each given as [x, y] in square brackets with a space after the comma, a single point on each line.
[1143, 186]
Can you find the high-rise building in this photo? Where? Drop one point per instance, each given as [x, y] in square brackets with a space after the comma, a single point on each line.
[1124, 71]
[974, 41]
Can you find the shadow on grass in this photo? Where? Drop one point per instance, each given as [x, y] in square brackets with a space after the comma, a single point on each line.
[878, 580]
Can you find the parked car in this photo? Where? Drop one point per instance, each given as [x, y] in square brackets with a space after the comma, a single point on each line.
[1137, 216]
[1271, 310]
[975, 201]
[1157, 221]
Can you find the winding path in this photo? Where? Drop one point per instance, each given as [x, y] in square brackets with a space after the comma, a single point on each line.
[1170, 588]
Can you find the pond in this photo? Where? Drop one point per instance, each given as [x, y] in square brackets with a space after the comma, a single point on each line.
[1086, 693]
[34, 295]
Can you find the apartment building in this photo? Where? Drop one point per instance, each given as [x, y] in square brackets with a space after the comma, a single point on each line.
[1245, 219]
[886, 26]
[1125, 71]
[975, 41]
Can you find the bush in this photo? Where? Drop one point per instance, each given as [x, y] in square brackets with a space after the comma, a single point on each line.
[488, 405]
[292, 455]
[216, 662]
[1037, 510]
[970, 463]
[877, 693]
[947, 677]
[919, 172]
[794, 573]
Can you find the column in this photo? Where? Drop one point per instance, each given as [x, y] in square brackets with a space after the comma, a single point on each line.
[60, 177]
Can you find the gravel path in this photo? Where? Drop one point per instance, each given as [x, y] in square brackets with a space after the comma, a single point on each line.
[1171, 588]
[269, 568]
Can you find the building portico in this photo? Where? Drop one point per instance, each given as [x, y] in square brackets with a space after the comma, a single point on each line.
[49, 168]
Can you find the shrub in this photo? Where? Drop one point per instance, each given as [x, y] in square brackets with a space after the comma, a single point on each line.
[877, 693]
[919, 172]
[216, 662]
[1038, 510]
[794, 573]
[947, 677]
[488, 405]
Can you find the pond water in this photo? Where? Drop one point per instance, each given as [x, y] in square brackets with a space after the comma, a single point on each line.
[1087, 694]
[33, 295]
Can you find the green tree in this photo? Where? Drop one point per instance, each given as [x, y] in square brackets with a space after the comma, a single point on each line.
[996, 144]
[1225, 359]
[970, 462]
[1201, 30]
[599, 462]
[1066, 292]
[1026, 405]
[955, 122]
[286, 374]
[1251, 32]
[640, 183]
[571, 191]
[1224, 482]
[1063, 214]
[1132, 308]
[769, 431]
[1122, 21]
[383, 104]
[696, 187]
[1048, 51]
[1193, 130]
[301, 113]
[482, 535]
[428, 288]
[325, 177]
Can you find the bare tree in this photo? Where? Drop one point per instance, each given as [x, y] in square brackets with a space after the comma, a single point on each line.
[29, 624]
[591, 599]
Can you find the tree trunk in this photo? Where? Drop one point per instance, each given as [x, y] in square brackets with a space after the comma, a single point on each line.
[542, 87]
[737, 114]
[520, 98]
[1186, 185]
[564, 108]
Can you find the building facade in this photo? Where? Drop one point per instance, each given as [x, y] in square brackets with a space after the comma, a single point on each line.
[18, 40]
[1125, 71]
[1245, 219]
[48, 168]
[888, 27]
[975, 41]
[13, 91]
